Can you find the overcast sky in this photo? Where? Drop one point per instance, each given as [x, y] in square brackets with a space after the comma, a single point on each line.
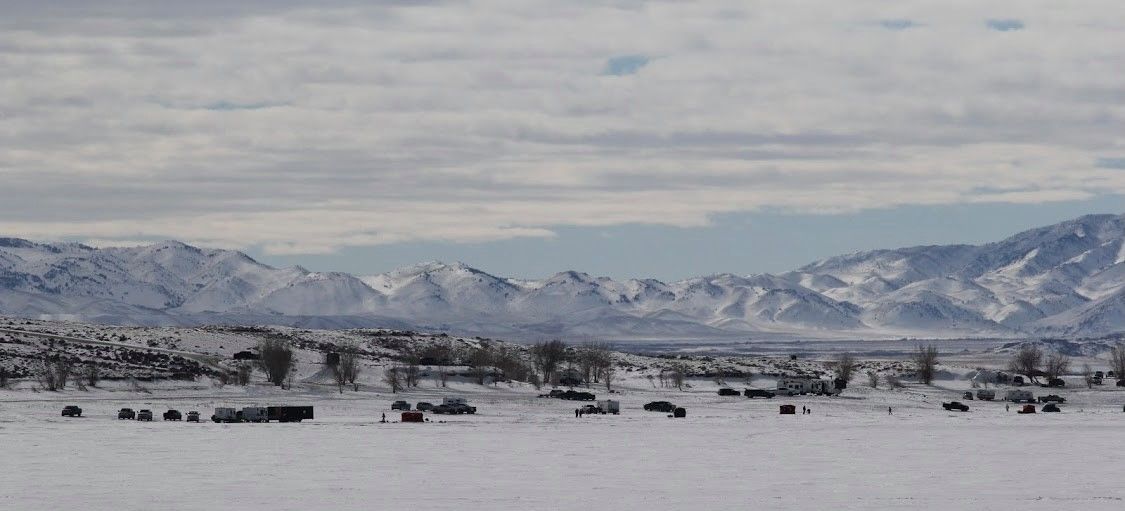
[626, 138]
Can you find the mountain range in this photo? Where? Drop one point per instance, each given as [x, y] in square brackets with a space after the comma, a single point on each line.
[1066, 279]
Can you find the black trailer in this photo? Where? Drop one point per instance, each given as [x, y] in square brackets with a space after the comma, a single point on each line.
[289, 413]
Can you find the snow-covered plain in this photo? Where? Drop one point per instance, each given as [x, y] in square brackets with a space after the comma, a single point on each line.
[523, 452]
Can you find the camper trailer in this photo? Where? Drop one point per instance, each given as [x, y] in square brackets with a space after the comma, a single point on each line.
[795, 386]
[255, 414]
[609, 406]
[986, 395]
[225, 415]
[1019, 396]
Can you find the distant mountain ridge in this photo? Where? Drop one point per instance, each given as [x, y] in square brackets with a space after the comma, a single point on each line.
[1066, 279]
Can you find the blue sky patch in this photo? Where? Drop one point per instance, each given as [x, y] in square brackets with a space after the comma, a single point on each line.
[625, 64]
[1004, 25]
[1111, 163]
[898, 24]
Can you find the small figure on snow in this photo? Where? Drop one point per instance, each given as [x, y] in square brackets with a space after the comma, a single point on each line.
[889, 412]
[384, 419]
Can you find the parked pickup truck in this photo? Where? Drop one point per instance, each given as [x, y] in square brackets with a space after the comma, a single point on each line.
[173, 415]
[193, 416]
[400, 405]
[71, 411]
[144, 415]
[955, 405]
[1052, 399]
[126, 413]
[728, 392]
[753, 393]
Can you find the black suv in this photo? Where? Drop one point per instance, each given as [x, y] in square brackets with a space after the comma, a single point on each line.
[126, 413]
[173, 415]
[753, 393]
[956, 405]
[424, 406]
[71, 411]
[728, 392]
[571, 395]
[1052, 399]
[144, 415]
[400, 405]
[660, 406]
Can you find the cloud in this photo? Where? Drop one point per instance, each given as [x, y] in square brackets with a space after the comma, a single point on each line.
[1004, 25]
[625, 64]
[303, 128]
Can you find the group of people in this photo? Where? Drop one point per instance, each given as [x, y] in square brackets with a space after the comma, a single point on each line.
[806, 410]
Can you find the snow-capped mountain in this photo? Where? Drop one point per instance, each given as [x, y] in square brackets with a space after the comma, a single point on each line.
[1066, 279]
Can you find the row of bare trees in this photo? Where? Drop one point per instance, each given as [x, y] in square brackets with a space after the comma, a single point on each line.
[1031, 361]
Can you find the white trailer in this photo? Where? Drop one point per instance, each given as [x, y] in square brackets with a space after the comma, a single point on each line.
[225, 415]
[609, 406]
[794, 386]
[255, 414]
[1019, 396]
[987, 395]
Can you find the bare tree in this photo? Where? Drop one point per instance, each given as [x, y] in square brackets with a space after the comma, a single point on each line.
[480, 361]
[677, 374]
[242, 373]
[53, 372]
[609, 373]
[651, 379]
[276, 359]
[392, 376]
[348, 368]
[411, 375]
[1088, 375]
[91, 375]
[1026, 361]
[893, 381]
[845, 366]
[873, 379]
[1057, 365]
[547, 356]
[925, 363]
[1117, 361]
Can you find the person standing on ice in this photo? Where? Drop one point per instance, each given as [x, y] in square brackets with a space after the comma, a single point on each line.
[889, 411]
[1006, 409]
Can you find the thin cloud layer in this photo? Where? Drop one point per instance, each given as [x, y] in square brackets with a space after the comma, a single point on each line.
[303, 128]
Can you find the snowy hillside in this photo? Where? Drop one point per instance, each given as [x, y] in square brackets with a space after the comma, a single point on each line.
[1066, 279]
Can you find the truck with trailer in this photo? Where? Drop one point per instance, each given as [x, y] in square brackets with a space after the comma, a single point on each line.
[255, 414]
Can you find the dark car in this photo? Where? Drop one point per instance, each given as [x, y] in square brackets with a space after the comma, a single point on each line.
[955, 405]
[590, 409]
[443, 409]
[173, 415]
[556, 393]
[1096, 380]
[144, 415]
[400, 405]
[1099, 374]
[126, 413]
[968, 396]
[728, 392]
[1121, 383]
[1017, 381]
[572, 395]
[1052, 399]
[460, 408]
[71, 411]
[193, 416]
[424, 406]
[660, 406]
[753, 393]
[1055, 382]
[1052, 407]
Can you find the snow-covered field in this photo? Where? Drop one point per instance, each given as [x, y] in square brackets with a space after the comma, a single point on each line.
[522, 452]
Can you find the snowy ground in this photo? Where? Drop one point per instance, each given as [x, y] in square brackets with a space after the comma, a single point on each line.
[522, 452]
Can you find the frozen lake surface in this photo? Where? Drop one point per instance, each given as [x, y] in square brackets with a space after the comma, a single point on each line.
[526, 453]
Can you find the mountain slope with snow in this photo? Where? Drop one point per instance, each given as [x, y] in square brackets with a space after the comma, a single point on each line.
[1066, 279]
